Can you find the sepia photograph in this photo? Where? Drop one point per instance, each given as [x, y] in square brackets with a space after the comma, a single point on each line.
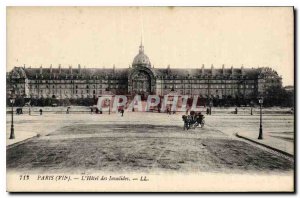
[150, 99]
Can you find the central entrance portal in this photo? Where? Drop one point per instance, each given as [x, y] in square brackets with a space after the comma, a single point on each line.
[141, 84]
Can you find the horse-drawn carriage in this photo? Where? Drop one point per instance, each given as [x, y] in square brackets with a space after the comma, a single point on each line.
[193, 120]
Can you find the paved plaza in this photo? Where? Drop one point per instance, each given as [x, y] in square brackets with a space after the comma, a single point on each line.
[146, 142]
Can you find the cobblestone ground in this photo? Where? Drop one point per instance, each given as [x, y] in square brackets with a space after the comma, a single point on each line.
[85, 143]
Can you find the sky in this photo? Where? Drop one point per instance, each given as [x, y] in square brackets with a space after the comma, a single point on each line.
[182, 37]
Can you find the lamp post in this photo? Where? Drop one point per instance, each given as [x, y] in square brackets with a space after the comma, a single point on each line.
[12, 131]
[109, 106]
[251, 107]
[260, 136]
[210, 105]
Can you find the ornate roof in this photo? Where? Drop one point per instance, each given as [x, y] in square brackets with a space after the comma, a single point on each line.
[122, 73]
[141, 59]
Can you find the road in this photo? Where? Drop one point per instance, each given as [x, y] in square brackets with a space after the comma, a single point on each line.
[137, 142]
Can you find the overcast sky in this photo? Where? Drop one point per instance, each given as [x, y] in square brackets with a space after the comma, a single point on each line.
[175, 36]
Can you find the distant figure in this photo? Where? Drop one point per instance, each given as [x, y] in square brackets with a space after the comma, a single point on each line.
[207, 111]
[251, 111]
[68, 110]
[29, 111]
[193, 115]
[91, 110]
[19, 111]
[236, 110]
[122, 112]
[41, 112]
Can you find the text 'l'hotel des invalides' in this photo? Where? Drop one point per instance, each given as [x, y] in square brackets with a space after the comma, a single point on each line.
[143, 79]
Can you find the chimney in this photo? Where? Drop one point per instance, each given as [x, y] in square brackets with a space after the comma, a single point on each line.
[114, 68]
[51, 69]
[70, 69]
[232, 70]
[242, 70]
[41, 69]
[223, 69]
[59, 68]
[202, 69]
[79, 69]
[212, 70]
[24, 66]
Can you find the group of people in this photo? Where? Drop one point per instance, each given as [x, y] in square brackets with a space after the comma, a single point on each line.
[193, 120]
[97, 111]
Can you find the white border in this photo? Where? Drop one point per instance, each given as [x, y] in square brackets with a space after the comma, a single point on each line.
[5, 3]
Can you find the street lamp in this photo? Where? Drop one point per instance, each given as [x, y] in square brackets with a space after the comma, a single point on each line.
[260, 136]
[109, 107]
[12, 131]
[210, 105]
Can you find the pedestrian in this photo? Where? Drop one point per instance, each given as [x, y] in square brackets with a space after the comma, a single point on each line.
[41, 112]
[68, 110]
[29, 111]
[91, 110]
[207, 111]
[122, 112]
[251, 111]
[236, 110]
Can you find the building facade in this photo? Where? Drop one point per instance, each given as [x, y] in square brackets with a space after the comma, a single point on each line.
[141, 78]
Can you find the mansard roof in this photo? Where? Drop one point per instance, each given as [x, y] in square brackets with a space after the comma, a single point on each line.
[122, 73]
[191, 72]
[82, 73]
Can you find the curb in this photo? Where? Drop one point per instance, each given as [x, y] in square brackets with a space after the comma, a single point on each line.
[264, 145]
[20, 142]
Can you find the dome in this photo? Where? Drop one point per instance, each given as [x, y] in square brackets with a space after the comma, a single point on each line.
[141, 59]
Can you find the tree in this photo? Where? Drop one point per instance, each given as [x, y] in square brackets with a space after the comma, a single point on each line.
[278, 96]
